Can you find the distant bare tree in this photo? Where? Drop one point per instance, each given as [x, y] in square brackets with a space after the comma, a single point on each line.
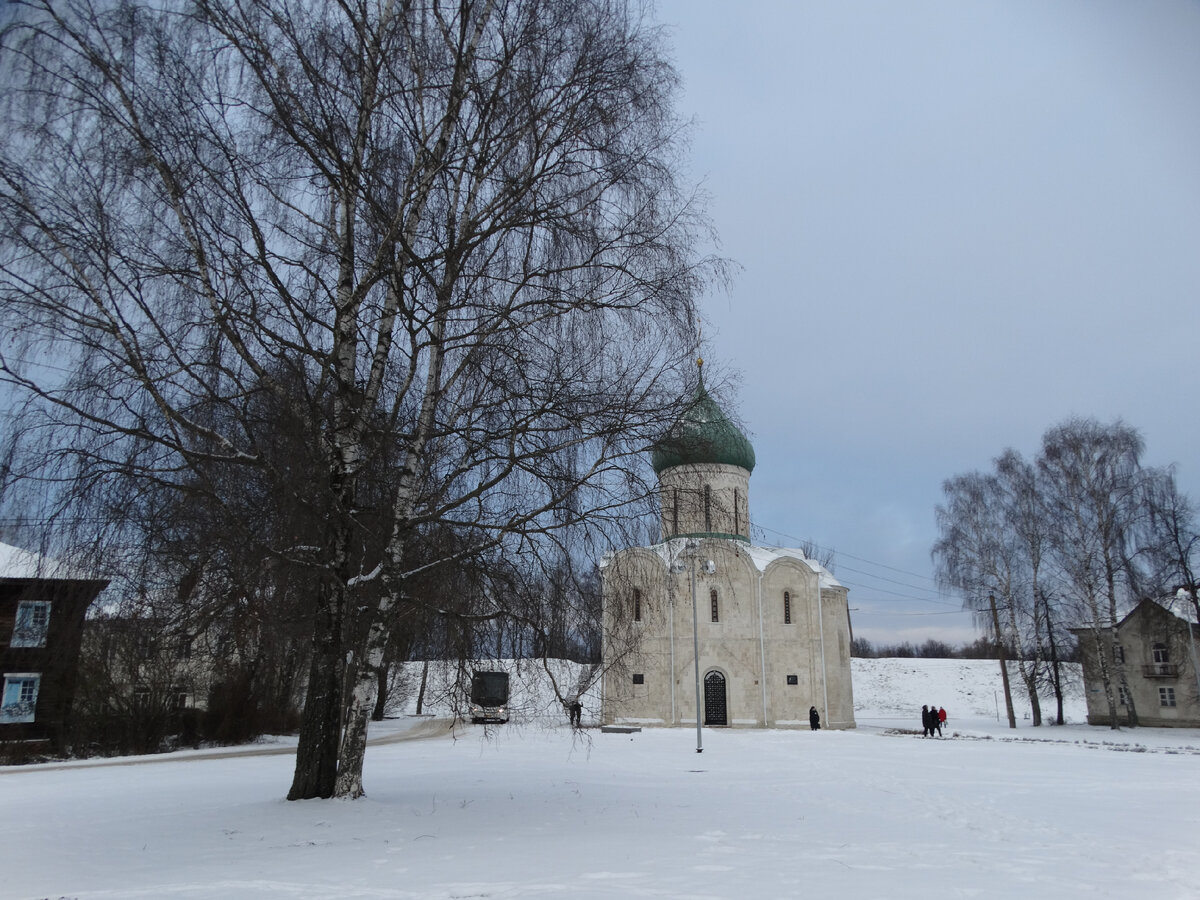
[822, 556]
[1094, 486]
[974, 555]
[861, 648]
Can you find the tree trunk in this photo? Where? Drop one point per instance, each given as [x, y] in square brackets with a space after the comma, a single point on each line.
[1035, 702]
[381, 692]
[320, 727]
[1003, 655]
[421, 691]
[1055, 667]
[361, 702]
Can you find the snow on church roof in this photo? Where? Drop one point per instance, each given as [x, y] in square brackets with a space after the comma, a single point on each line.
[764, 556]
[761, 557]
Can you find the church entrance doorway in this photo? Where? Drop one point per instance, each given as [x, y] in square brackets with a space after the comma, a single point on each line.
[715, 712]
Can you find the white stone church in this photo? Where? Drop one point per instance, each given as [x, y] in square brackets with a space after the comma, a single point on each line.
[771, 626]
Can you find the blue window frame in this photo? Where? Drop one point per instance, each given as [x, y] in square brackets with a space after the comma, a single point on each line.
[20, 698]
[32, 624]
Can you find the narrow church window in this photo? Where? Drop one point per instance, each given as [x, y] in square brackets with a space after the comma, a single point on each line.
[787, 608]
[737, 511]
[712, 596]
[675, 511]
[637, 605]
[708, 510]
[639, 678]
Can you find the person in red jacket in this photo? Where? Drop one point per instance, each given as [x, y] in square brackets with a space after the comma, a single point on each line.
[942, 716]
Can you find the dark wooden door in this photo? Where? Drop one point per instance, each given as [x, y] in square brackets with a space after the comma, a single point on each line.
[715, 711]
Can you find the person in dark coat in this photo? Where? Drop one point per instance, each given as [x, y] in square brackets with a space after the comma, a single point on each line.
[925, 729]
[814, 718]
[576, 714]
[935, 724]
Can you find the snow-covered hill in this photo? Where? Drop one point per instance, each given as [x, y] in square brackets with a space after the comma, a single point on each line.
[887, 692]
[968, 689]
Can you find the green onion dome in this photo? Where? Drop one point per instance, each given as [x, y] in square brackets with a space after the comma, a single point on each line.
[703, 434]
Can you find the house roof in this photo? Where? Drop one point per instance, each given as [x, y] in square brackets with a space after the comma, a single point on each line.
[16, 563]
[1143, 607]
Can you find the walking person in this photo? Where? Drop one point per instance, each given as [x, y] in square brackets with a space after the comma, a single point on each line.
[935, 724]
[925, 729]
[814, 719]
[942, 716]
[576, 714]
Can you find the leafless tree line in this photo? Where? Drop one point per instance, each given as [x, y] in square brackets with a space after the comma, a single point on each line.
[355, 298]
[1070, 540]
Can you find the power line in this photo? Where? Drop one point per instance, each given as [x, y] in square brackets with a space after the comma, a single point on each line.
[874, 588]
[841, 554]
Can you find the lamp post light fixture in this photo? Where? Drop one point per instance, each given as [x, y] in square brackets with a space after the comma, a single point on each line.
[690, 552]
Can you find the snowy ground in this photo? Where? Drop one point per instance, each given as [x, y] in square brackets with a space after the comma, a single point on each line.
[533, 810]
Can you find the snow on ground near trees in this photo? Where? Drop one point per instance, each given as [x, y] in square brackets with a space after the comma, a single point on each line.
[534, 810]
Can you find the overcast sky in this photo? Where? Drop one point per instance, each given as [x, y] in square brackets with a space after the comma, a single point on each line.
[958, 223]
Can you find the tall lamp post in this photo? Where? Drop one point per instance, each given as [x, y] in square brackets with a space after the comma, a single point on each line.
[690, 552]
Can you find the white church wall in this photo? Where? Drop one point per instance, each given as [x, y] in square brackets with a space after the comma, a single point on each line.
[755, 655]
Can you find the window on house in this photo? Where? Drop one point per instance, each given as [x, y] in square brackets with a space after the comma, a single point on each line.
[787, 608]
[32, 624]
[637, 605]
[183, 647]
[712, 597]
[1122, 695]
[19, 701]
[793, 679]
[639, 678]
[1119, 654]
[1160, 654]
[1166, 696]
[143, 647]
[179, 698]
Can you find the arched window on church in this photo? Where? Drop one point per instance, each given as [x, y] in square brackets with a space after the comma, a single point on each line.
[737, 511]
[708, 511]
[712, 597]
[787, 608]
[674, 511]
[637, 605]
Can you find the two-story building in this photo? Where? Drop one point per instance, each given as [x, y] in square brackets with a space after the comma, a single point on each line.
[42, 607]
[1156, 653]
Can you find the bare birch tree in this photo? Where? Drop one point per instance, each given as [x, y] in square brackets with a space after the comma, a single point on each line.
[973, 554]
[455, 224]
[1094, 487]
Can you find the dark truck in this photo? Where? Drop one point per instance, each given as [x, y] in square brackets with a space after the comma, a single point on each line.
[489, 697]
